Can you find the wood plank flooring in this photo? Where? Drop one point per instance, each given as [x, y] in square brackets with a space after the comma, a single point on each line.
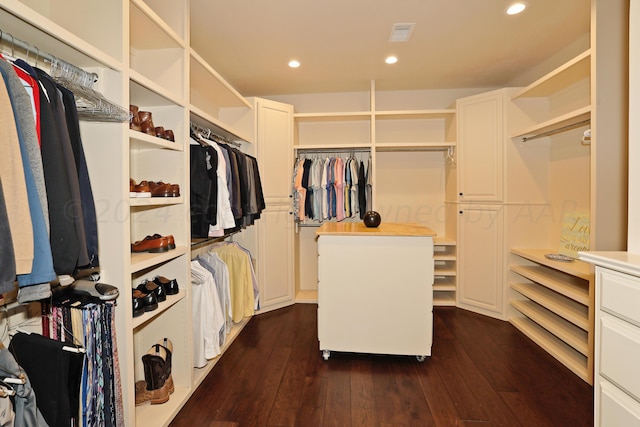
[482, 372]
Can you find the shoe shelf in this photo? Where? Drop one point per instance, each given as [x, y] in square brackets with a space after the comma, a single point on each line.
[444, 259]
[144, 260]
[155, 201]
[570, 334]
[565, 354]
[552, 303]
[563, 307]
[172, 322]
[141, 320]
[157, 415]
[141, 141]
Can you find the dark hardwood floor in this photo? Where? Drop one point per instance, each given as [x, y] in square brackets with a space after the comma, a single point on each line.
[482, 372]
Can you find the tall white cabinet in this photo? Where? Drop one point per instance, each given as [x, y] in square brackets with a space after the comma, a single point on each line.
[275, 228]
[480, 143]
[477, 199]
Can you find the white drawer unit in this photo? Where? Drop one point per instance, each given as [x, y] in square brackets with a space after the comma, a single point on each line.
[375, 289]
[617, 340]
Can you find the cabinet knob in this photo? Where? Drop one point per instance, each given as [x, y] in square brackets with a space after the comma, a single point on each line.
[461, 212]
[460, 194]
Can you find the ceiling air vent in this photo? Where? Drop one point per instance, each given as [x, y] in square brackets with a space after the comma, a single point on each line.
[401, 32]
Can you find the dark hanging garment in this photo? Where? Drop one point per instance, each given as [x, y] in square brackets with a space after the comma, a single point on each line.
[54, 374]
[362, 190]
[200, 185]
[65, 245]
[86, 193]
[212, 168]
[7, 258]
[257, 186]
[235, 194]
[308, 198]
[244, 183]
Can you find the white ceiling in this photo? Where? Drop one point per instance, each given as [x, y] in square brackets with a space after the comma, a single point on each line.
[342, 43]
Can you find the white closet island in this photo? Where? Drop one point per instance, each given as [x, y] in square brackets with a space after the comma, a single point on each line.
[375, 288]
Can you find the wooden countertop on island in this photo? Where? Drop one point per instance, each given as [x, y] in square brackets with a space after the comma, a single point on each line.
[384, 229]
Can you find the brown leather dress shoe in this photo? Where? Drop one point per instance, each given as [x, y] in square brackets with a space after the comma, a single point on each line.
[149, 244]
[161, 189]
[134, 120]
[139, 190]
[146, 122]
[169, 237]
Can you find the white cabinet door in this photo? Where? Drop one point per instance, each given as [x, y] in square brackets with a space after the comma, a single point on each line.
[275, 149]
[480, 259]
[480, 147]
[275, 260]
[275, 226]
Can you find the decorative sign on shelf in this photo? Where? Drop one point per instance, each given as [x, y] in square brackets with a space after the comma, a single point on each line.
[574, 236]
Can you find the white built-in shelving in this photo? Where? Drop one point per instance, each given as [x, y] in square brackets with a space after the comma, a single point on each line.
[395, 131]
[552, 303]
[445, 271]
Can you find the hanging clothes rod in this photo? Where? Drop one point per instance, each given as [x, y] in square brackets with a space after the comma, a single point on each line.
[25, 46]
[555, 131]
[207, 133]
[91, 105]
[332, 150]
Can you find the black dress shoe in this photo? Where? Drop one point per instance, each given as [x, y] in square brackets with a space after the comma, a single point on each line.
[138, 306]
[149, 300]
[152, 287]
[170, 286]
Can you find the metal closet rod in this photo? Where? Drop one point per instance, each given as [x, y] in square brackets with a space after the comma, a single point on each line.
[555, 131]
[333, 150]
[209, 134]
[9, 38]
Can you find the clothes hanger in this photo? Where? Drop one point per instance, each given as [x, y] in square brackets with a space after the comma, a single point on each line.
[6, 390]
[91, 104]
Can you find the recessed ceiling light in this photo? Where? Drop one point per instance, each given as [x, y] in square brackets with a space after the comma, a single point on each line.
[294, 64]
[391, 60]
[516, 8]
